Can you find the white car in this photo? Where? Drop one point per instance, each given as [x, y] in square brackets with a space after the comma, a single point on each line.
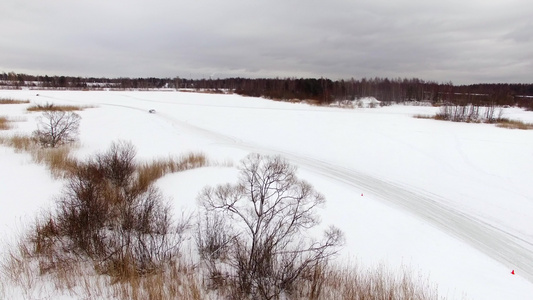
[152, 111]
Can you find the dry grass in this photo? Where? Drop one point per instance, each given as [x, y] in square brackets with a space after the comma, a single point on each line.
[31, 275]
[19, 142]
[424, 117]
[151, 171]
[58, 160]
[54, 107]
[514, 124]
[13, 101]
[350, 282]
[27, 273]
[4, 123]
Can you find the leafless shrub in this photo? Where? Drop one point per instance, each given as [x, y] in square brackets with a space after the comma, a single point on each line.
[472, 113]
[103, 215]
[269, 208]
[57, 128]
[213, 243]
[469, 113]
[118, 163]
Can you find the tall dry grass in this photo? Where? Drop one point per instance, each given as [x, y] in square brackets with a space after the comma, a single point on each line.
[13, 101]
[4, 123]
[55, 107]
[514, 124]
[380, 283]
[59, 161]
[19, 142]
[149, 172]
[26, 274]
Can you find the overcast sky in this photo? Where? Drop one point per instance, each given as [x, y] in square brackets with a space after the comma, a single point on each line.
[463, 41]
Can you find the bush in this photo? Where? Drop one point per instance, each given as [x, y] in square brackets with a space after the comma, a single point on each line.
[469, 113]
[57, 128]
[263, 245]
[105, 216]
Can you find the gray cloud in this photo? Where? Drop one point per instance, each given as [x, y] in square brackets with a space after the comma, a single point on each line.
[463, 41]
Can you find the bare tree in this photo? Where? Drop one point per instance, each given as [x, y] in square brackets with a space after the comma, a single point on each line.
[270, 209]
[56, 128]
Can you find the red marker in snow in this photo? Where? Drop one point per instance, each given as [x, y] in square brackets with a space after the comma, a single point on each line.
[361, 194]
[512, 272]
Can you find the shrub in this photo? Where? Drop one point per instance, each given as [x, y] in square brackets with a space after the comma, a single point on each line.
[475, 113]
[469, 113]
[102, 214]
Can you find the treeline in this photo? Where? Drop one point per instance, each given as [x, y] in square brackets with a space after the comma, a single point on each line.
[321, 90]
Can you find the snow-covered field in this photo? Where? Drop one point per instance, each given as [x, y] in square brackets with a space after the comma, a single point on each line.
[451, 201]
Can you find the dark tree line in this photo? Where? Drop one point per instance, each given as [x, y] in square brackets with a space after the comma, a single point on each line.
[322, 90]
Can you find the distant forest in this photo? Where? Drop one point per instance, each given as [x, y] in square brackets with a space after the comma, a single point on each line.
[319, 90]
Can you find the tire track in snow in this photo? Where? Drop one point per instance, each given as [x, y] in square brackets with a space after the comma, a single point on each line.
[504, 247]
